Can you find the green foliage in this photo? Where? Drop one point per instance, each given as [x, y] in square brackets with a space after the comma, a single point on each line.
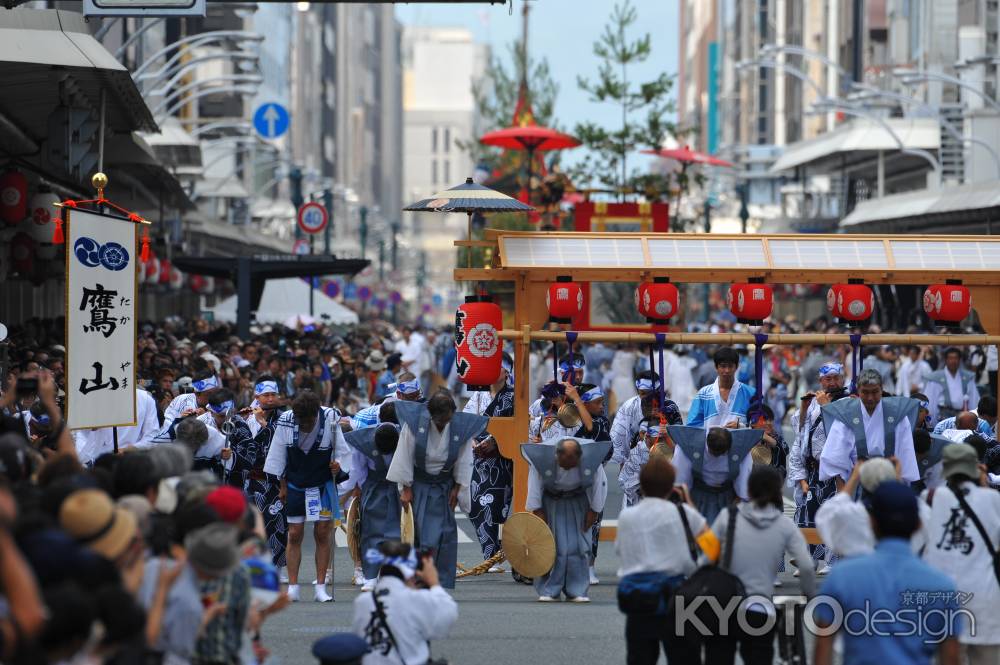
[496, 97]
[607, 161]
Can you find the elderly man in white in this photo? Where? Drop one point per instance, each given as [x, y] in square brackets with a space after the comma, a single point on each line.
[868, 426]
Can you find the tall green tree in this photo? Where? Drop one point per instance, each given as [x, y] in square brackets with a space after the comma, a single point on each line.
[645, 107]
[496, 96]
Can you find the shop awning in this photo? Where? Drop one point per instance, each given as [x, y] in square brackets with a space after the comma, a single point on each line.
[972, 206]
[46, 53]
[858, 141]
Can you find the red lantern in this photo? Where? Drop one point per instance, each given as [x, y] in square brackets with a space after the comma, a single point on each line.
[477, 346]
[13, 197]
[658, 300]
[948, 304]
[176, 278]
[751, 303]
[564, 300]
[22, 254]
[197, 283]
[152, 269]
[165, 268]
[851, 302]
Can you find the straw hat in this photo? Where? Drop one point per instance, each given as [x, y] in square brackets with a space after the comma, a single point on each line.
[91, 519]
[407, 532]
[353, 527]
[529, 545]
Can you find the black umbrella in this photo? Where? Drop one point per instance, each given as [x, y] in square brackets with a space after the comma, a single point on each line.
[469, 198]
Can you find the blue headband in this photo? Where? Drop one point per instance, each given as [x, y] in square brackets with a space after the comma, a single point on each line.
[926, 406]
[41, 420]
[509, 366]
[564, 366]
[221, 408]
[406, 387]
[592, 394]
[652, 430]
[265, 387]
[406, 565]
[647, 384]
[831, 368]
[201, 385]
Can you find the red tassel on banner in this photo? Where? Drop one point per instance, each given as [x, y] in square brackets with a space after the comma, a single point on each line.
[145, 247]
[57, 235]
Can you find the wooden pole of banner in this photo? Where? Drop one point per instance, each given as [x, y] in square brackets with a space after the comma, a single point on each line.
[114, 438]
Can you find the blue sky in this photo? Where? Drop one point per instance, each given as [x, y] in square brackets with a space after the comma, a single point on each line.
[563, 31]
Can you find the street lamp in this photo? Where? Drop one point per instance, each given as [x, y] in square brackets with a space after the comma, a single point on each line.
[771, 64]
[827, 103]
[235, 79]
[772, 49]
[243, 127]
[185, 67]
[867, 92]
[191, 41]
[238, 90]
[910, 77]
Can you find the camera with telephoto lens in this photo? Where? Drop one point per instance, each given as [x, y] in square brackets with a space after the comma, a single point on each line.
[26, 386]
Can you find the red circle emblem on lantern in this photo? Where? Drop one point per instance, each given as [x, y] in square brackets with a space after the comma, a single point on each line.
[658, 300]
[751, 303]
[22, 254]
[478, 352]
[13, 197]
[851, 302]
[564, 300]
[165, 268]
[947, 303]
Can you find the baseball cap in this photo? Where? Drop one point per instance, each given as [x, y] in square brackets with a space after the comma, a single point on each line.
[959, 458]
[894, 509]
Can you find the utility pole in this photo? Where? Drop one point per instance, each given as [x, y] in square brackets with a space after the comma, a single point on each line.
[858, 40]
[708, 229]
[328, 204]
[744, 190]
[363, 230]
[381, 259]
[295, 185]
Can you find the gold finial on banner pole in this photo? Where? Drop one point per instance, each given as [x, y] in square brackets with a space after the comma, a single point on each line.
[99, 181]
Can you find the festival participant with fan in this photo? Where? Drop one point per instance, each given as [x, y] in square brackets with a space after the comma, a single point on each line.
[492, 475]
[632, 412]
[433, 466]
[373, 451]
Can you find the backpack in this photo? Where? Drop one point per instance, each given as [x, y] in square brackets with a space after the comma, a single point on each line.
[712, 580]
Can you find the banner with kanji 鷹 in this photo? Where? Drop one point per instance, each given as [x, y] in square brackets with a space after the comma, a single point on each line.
[100, 320]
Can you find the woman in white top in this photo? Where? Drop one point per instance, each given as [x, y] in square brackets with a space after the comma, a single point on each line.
[652, 538]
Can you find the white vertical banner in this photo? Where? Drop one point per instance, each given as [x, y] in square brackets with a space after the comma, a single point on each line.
[100, 319]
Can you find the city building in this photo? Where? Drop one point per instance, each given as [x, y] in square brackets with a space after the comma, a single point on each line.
[440, 65]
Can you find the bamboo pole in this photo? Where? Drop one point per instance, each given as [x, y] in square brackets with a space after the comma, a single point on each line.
[746, 338]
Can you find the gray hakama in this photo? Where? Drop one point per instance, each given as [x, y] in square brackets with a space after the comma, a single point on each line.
[434, 518]
[565, 496]
[712, 480]
[380, 507]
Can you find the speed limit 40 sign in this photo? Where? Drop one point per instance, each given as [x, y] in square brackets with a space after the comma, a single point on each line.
[312, 217]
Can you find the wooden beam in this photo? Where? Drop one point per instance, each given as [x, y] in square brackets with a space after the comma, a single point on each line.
[743, 338]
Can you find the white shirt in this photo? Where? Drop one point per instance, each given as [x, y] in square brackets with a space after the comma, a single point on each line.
[415, 616]
[844, 525]
[651, 538]
[714, 471]
[625, 426]
[404, 459]
[177, 406]
[92, 443]
[839, 454]
[567, 480]
[911, 375]
[956, 549]
[800, 445]
[956, 392]
[215, 442]
[277, 454]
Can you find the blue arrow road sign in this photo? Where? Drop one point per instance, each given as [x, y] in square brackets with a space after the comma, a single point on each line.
[270, 120]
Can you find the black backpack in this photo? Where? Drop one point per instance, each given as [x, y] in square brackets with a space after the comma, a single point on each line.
[712, 580]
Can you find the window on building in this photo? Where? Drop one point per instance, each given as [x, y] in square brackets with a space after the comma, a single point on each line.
[447, 165]
[434, 172]
[447, 141]
[434, 139]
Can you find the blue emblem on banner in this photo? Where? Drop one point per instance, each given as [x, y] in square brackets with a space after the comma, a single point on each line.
[87, 252]
[113, 256]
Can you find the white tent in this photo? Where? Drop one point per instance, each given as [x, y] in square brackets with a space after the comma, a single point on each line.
[287, 298]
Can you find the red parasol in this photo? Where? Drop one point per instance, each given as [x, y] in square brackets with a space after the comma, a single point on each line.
[686, 155]
[531, 138]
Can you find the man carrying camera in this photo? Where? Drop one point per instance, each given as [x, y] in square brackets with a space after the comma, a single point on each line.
[803, 460]
[405, 610]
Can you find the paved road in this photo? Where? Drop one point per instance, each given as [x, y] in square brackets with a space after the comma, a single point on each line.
[500, 621]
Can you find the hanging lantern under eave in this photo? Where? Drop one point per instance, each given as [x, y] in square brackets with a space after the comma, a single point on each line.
[176, 278]
[948, 304]
[478, 352]
[564, 300]
[165, 268]
[851, 302]
[751, 302]
[13, 197]
[658, 300]
[22, 254]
